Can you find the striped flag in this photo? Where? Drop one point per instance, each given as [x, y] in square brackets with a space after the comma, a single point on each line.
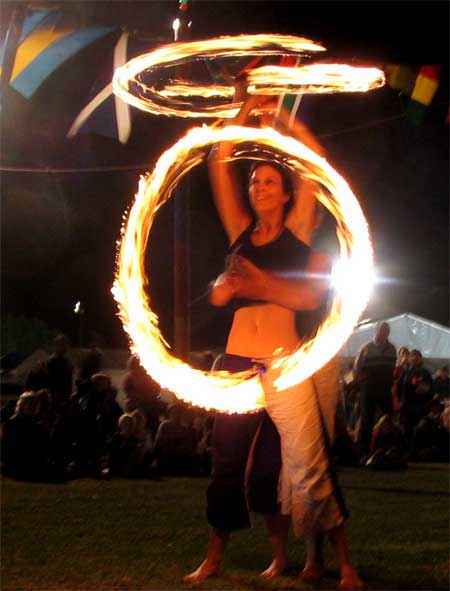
[106, 114]
[45, 44]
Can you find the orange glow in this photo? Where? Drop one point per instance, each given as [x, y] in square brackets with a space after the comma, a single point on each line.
[352, 275]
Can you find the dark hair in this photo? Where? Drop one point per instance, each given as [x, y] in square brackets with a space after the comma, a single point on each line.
[286, 178]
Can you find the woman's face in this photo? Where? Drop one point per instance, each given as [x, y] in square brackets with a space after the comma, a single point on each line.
[403, 355]
[266, 189]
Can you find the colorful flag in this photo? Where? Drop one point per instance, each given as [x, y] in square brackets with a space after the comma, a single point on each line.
[45, 44]
[425, 87]
[401, 77]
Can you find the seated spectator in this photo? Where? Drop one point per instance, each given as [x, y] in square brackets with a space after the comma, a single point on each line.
[7, 411]
[430, 441]
[94, 416]
[25, 443]
[441, 383]
[445, 418]
[142, 392]
[175, 446]
[124, 455]
[388, 447]
[144, 436]
[37, 379]
[45, 405]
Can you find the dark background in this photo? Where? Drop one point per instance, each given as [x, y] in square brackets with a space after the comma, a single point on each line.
[59, 230]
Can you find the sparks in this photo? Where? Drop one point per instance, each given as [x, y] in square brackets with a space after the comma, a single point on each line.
[352, 274]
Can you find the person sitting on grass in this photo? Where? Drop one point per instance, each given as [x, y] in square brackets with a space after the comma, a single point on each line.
[430, 442]
[388, 447]
[174, 448]
[26, 443]
[124, 455]
[96, 422]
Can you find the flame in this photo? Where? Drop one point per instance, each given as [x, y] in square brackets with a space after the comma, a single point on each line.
[314, 78]
[184, 89]
[130, 87]
[128, 81]
[354, 272]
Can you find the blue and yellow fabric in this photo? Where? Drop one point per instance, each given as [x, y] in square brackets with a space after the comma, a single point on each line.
[44, 45]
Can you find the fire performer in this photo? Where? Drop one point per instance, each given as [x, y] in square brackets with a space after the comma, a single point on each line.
[272, 274]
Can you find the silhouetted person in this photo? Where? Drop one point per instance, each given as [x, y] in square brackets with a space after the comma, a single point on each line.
[388, 447]
[430, 440]
[124, 454]
[374, 371]
[25, 441]
[90, 363]
[175, 445]
[60, 373]
[441, 383]
[416, 393]
[37, 379]
[97, 416]
[142, 392]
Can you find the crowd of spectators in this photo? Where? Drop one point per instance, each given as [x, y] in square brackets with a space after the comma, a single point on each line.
[393, 410]
[55, 431]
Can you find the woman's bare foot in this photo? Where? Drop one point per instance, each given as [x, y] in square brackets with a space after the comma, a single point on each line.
[205, 570]
[275, 569]
[312, 572]
[350, 580]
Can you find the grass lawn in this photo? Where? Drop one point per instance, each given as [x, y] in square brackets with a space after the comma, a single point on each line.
[123, 534]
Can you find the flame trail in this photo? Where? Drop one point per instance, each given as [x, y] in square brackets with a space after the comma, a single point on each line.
[353, 274]
[171, 99]
[129, 85]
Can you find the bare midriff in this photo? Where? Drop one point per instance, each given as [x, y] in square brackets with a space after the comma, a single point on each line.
[261, 330]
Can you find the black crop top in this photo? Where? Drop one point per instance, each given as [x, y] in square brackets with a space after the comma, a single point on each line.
[284, 254]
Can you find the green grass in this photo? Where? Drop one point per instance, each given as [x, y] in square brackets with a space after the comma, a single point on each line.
[137, 535]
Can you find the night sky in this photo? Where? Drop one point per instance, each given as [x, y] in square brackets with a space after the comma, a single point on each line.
[59, 229]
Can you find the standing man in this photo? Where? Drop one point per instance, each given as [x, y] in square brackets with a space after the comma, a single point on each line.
[60, 374]
[416, 393]
[374, 371]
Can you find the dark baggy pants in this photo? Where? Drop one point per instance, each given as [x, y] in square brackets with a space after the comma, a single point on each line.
[246, 463]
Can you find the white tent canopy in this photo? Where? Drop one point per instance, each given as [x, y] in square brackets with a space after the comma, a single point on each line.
[407, 330]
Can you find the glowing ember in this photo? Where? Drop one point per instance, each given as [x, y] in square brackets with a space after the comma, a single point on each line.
[353, 274]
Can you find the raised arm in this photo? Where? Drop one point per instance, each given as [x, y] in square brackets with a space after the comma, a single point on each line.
[302, 219]
[227, 189]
